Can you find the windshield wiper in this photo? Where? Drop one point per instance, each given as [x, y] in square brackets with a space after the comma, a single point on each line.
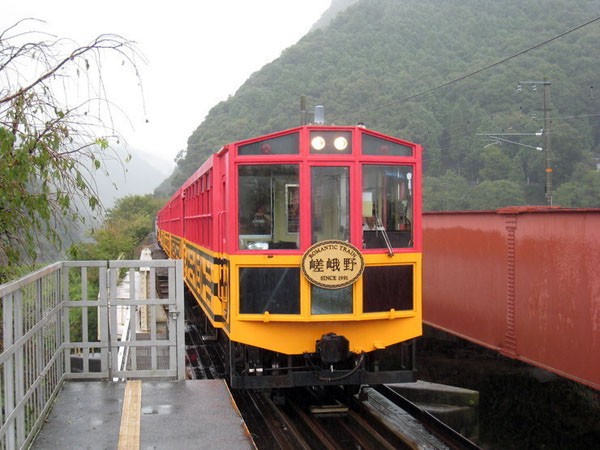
[386, 238]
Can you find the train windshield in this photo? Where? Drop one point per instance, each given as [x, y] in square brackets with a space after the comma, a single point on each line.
[269, 206]
[387, 206]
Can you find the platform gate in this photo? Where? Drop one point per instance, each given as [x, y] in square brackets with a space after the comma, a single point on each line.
[146, 320]
[85, 320]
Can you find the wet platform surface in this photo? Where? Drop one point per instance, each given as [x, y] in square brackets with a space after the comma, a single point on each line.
[188, 414]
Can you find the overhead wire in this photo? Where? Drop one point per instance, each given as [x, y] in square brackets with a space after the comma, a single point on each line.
[582, 116]
[470, 74]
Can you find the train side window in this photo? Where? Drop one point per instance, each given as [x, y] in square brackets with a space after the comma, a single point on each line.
[265, 199]
[387, 207]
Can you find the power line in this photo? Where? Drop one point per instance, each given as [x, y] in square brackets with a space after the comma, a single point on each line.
[583, 116]
[476, 72]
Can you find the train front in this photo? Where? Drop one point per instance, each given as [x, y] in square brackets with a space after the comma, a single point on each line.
[323, 257]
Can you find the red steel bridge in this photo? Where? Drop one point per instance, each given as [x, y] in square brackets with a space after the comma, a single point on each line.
[524, 281]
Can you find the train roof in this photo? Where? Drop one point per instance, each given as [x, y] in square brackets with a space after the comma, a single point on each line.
[313, 127]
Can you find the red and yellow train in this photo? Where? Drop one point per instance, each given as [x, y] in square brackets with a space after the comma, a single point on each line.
[303, 249]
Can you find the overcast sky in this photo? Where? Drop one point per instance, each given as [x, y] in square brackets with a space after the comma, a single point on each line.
[198, 53]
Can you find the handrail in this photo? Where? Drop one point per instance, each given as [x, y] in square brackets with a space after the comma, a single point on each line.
[45, 344]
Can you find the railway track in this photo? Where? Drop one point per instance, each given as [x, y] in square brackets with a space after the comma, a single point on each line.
[321, 418]
[435, 426]
[294, 426]
[204, 357]
[331, 419]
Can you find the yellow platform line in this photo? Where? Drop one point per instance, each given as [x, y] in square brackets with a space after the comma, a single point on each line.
[129, 434]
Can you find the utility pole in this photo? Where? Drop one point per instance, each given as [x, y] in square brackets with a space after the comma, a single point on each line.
[545, 132]
[303, 115]
[547, 141]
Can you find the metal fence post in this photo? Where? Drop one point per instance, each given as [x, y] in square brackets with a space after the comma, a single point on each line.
[180, 319]
[20, 372]
[103, 319]
[9, 371]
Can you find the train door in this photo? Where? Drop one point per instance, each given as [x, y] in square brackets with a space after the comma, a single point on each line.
[330, 205]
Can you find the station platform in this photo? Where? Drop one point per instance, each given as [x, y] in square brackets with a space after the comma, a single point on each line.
[144, 415]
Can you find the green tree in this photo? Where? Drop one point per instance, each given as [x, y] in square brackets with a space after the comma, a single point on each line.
[584, 191]
[570, 148]
[496, 194]
[125, 227]
[447, 193]
[51, 148]
[497, 165]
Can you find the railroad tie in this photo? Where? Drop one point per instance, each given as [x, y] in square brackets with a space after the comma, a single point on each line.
[129, 433]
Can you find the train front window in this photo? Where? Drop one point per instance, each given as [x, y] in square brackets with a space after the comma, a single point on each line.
[330, 203]
[331, 301]
[272, 289]
[282, 145]
[388, 287]
[269, 207]
[375, 146]
[387, 207]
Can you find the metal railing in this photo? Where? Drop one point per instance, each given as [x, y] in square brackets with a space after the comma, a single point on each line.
[63, 322]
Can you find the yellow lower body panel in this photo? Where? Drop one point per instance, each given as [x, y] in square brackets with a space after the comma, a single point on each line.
[297, 334]
[214, 281]
[301, 337]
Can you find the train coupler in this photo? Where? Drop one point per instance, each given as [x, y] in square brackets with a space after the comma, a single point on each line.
[333, 348]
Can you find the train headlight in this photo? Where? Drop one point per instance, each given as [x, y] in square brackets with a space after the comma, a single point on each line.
[318, 143]
[340, 143]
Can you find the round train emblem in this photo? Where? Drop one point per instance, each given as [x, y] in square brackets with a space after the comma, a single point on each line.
[332, 264]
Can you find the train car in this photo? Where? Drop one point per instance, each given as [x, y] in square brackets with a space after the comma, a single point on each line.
[303, 248]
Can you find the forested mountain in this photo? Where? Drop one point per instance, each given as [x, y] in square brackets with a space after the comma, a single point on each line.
[441, 74]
